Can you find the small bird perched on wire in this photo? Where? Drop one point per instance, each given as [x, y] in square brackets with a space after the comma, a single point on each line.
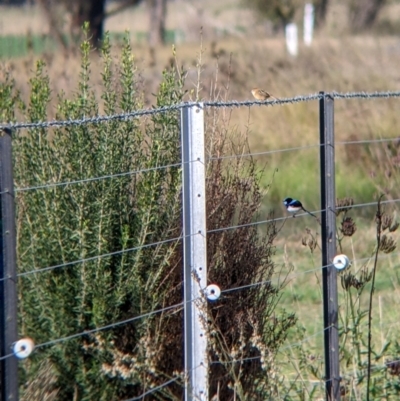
[294, 206]
[261, 94]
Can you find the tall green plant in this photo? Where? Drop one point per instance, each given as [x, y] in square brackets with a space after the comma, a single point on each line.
[95, 223]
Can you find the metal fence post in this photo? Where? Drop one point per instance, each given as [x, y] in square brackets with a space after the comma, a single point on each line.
[328, 240]
[8, 287]
[195, 252]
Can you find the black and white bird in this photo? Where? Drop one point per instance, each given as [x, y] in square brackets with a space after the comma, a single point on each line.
[294, 206]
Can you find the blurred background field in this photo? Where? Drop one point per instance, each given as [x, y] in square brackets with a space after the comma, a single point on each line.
[236, 51]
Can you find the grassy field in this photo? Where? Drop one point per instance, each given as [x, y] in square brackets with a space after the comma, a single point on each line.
[230, 67]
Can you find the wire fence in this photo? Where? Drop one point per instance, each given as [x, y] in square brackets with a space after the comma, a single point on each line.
[233, 227]
[214, 104]
[178, 307]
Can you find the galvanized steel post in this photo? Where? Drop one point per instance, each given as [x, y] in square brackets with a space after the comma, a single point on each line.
[195, 252]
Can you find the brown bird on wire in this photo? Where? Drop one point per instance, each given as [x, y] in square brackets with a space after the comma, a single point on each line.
[261, 94]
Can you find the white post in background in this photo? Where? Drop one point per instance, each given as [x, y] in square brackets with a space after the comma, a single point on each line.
[291, 39]
[195, 252]
[308, 24]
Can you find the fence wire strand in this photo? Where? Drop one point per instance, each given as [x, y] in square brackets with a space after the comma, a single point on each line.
[181, 304]
[210, 159]
[96, 257]
[153, 390]
[213, 231]
[214, 104]
[103, 177]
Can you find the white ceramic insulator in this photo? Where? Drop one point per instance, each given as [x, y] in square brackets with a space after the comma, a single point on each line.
[23, 348]
[341, 262]
[213, 292]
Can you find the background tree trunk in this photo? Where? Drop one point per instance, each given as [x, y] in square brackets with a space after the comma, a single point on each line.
[92, 11]
[363, 13]
[321, 8]
[54, 26]
[157, 12]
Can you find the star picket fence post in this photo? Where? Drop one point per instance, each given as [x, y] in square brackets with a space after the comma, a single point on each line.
[8, 273]
[328, 241]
